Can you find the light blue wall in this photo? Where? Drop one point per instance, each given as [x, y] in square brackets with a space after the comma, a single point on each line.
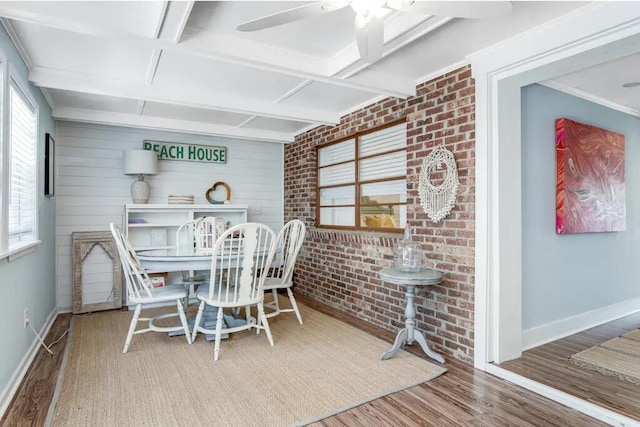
[567, 275]
[29, 281]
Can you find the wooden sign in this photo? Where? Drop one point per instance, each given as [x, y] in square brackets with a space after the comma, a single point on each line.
[188, 152]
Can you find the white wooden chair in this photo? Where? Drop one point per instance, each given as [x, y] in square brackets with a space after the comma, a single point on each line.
[288, 246]
[240, 255]
[199, 235]
[140, 291]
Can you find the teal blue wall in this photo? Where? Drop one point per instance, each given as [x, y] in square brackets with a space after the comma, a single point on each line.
[568, 275]
[29, 281]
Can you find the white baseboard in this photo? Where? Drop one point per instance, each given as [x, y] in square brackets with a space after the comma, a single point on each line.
[591, 409]
[17, 377]
[540, 335]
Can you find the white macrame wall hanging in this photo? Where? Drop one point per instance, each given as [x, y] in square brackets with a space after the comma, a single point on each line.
[438, 200]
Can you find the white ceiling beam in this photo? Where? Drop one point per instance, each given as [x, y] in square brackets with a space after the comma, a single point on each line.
[161, 123]
[98, 85]
[213, 46]
[71, 16]
[153, 65]
[140, 107]
[175, 20]
[248, 53]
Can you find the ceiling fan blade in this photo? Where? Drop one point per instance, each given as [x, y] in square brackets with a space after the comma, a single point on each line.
[285, 17]
[460, 9]
[370, 40]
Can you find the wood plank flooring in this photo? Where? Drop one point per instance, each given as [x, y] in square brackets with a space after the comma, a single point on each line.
[549, 364]
[461, 397]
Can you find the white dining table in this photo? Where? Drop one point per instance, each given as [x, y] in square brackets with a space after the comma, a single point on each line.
[174, 259]
[186, 259]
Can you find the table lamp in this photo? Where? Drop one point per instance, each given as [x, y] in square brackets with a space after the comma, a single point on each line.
[141, 163]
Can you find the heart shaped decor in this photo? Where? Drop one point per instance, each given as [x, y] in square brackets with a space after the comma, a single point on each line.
[210, 191]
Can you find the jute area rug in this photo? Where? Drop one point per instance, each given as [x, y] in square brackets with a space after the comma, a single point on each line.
[618, 357]
[314, 370]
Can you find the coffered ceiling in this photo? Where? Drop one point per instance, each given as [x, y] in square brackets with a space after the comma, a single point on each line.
[184, 65]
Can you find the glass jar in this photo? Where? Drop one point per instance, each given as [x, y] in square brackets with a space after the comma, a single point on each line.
[407, 253]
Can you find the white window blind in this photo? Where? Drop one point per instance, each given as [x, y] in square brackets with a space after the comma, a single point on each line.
[391, 138]
[23, 170]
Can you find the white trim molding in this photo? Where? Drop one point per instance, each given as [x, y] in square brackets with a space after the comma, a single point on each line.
[549, 332]
[587, 408]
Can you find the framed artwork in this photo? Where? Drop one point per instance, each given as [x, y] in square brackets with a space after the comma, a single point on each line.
[590, 179]
[82, 244]
[49, 165]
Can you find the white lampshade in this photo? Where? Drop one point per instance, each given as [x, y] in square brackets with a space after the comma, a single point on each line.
[140, 162]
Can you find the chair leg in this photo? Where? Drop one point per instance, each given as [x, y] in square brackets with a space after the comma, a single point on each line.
[216, 348]
[196, 324]
[183, 319]
[258, 323]
[132, 327]
[265, 322]
[276, 301]
[294, 305]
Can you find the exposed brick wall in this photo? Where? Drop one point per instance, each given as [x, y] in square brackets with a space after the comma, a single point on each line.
[341, 268]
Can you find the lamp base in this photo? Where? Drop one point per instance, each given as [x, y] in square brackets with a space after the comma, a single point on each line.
[140, 191]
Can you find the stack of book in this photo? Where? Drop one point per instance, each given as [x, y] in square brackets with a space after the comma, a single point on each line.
[180, 200]
[137, 221]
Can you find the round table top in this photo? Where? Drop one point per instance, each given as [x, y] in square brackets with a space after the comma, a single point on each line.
[426, 276]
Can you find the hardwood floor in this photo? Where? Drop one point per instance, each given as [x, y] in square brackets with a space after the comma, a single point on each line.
[461, 397]
[549, 364]
[30, 404]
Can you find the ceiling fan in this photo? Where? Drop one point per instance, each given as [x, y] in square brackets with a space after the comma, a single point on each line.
[370, 16]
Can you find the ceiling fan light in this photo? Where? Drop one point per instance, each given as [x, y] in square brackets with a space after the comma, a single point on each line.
[364, 6]
[363, 19]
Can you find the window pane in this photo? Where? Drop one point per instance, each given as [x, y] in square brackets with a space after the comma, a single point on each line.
[339, 174]
[337, 153]
[385, 166]
[337, 216]
[392, 138]
[384, 192]
[22, 185]
[383, 216]
[338, 196]
[375, 211]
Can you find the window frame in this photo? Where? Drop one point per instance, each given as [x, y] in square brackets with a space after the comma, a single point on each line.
[357, 183]
[10, 76]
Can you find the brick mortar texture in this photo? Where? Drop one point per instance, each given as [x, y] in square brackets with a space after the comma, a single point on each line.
[340, 268]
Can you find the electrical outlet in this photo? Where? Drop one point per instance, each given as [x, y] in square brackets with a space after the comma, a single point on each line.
[255, 210]
[26, 317]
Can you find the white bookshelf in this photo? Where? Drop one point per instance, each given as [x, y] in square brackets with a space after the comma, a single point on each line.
[154, 226]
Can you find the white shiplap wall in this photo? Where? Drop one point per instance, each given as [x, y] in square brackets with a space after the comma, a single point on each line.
[91, 190]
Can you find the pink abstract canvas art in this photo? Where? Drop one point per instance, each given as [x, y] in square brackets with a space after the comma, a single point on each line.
[590, 186]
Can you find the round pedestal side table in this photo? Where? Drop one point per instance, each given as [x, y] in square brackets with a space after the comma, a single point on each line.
[409, 333]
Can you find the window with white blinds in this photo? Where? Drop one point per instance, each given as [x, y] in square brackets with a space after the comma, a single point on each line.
[362, 180]
[22, 143]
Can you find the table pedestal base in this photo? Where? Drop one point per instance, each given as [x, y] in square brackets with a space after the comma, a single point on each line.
[209, 320]
[409, 333]
[402, 338]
